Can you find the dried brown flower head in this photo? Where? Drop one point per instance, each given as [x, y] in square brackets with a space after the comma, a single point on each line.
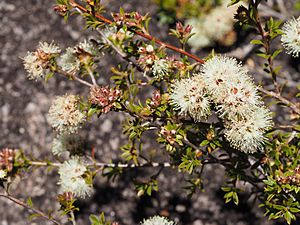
[7, 159]
[104, 97]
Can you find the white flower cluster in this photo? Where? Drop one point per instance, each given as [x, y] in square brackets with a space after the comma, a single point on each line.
[212, 26]
[3, 174]
[67, 143]
[71, 178]
[190, 97]
[160, 68]
[35, 63]
[158, 220]
[224, 82]
[64, 115]
[70, 60]
[291, 36]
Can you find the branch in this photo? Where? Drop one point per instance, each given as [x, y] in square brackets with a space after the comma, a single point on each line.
[74, 77]
[285, 101]
[107, 165]
[122, 54]
[141, 34]
[23, 204]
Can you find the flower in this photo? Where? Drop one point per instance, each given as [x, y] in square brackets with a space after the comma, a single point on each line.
[230, 87]
[37, 63]
[88, 47]
[68, 61]
[246, 134]
[49, 48]
[211, 27]
[158, 220]
[64, 115]
[160, 68]
[104, 97]
[290, 38]
[200, 39]
[189, 96]
[3, 174]
[235, 96]
[67, 143]
[33, 66]
[71, 178]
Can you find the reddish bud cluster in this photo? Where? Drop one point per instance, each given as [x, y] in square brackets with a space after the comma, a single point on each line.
[169, 135]
[65, 197]
[133, 19]
[104, 97]
[156, 99]
[183, 31]
[61, 9]
[292, 179]
[175, 63]
[147, 56]
[7, 159]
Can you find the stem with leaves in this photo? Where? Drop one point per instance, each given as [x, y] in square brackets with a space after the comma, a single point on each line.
[142, 34]
[23, 204]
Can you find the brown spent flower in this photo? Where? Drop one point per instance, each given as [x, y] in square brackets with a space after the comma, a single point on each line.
[7, 159]
[61, 9]
[292, 179]
[104, 97]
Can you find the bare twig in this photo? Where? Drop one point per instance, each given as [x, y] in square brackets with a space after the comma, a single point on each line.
[73, 218]
[107, 165]
[90, 72]
[23, 204]
[72, 76]
[285, 101]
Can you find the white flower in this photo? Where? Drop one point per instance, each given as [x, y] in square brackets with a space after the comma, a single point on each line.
[246, 134]
[189, 96]
[64, 115]
[160, 68]
[291, 36]
[3, 174]
[149, 48]
[69, 62]
[36, 63]
[88, 47]
[158, 220]
[230, 87]
[67, 143]
[238, 103]
[33, 66]
[71, 178]
[212, 26]
[49, 48]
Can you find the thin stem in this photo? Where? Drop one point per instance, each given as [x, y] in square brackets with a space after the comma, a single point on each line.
[267, 47]
[73, 218]
[23, 204]
[74, 77]
[122, 54]
[285, 101]
[90, 72]
[107, 165]
[144, 35]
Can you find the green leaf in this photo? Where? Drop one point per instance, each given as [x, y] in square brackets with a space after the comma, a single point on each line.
[257, 42]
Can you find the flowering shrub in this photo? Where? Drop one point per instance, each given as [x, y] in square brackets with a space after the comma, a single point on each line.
[201, 111]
